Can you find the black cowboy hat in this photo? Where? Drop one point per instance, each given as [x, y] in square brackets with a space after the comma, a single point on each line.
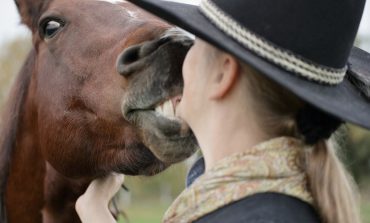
[304, 45]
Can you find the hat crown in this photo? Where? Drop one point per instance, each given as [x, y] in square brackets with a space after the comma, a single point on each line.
[321, 32]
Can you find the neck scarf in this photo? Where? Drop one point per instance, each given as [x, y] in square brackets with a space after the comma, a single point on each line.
[276, 165]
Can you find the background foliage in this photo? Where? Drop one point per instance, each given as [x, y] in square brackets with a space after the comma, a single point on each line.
[12, 55]
[149, 197]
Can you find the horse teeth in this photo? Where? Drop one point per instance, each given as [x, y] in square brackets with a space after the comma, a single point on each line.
[166, 109]
[158, 109]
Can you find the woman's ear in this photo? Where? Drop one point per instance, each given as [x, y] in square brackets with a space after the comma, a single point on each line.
[227, 73]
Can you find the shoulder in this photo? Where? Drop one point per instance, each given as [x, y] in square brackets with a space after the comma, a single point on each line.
[264, 208]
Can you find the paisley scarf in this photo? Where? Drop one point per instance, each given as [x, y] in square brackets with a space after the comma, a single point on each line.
[276, 165]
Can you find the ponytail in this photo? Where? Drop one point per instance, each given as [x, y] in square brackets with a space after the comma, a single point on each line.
[332, 187]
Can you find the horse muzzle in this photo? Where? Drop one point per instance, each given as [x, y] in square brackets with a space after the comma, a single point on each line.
[153, 70]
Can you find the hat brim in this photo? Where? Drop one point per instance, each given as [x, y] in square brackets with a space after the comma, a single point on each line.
[343, 100]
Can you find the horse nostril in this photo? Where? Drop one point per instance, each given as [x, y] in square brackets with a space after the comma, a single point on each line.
[127, 57]
[130, 55]
[127, 60]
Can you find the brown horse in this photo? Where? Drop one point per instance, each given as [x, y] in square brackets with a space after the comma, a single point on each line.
[96, 94]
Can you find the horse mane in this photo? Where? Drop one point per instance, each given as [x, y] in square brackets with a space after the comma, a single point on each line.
[11, 117]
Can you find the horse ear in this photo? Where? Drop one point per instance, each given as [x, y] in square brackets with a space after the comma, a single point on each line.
[30, 11]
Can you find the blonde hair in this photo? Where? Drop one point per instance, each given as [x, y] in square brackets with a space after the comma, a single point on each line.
[333, 189]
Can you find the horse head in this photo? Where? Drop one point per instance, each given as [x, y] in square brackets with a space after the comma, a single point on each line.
[96, 59]
[96, 94]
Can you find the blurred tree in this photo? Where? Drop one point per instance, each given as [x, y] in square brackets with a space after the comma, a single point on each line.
[358, 153]
[12, 56]
[166, 185]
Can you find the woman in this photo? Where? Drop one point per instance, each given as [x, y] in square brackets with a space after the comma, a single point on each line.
[265, 86]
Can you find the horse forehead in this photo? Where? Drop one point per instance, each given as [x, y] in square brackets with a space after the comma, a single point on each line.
[62, 5]
[68, 4]
[132, 13]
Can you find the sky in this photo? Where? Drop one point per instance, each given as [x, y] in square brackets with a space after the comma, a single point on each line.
[10, 22]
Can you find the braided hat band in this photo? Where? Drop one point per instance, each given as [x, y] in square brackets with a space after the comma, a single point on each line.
[269, 51]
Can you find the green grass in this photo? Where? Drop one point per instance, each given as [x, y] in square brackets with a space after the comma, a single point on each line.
[147, 212]
[365, 211]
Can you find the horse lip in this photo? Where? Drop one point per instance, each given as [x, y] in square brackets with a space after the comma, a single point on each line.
[129, 110]
[149, 48]
[133, 114]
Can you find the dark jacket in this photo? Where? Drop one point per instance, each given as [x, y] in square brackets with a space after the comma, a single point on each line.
[258, 208]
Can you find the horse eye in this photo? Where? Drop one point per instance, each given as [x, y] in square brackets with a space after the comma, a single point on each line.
[51, 28]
